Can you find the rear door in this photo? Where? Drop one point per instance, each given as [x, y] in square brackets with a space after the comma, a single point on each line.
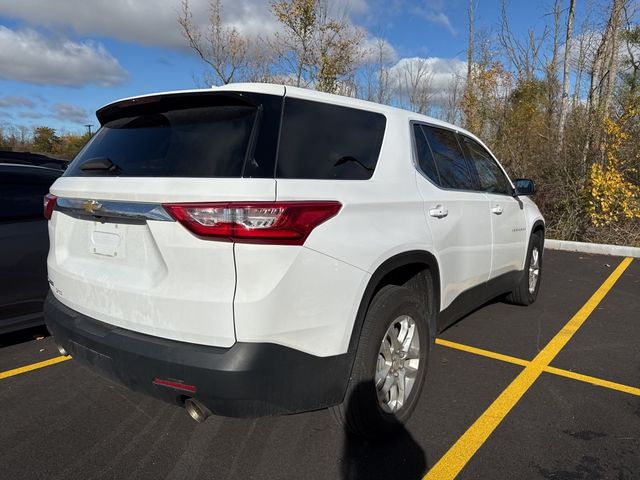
[457, 215]
[508, 221]
[117, 255]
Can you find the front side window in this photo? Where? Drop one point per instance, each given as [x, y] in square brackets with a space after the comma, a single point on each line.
[449, 158]
[324, 141]
[491, 177]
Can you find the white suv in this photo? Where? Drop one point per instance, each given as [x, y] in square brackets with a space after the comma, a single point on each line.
[260, 249]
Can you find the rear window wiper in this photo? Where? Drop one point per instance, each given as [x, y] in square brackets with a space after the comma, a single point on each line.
[100, 164]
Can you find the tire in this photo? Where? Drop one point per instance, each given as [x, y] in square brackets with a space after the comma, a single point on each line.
[525, 293]
[365, 412]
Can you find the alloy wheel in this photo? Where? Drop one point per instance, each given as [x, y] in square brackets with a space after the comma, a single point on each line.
[534, 270]
[398, 364]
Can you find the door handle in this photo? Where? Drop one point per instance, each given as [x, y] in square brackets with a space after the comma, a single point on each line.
[438, 211]
[497, 210]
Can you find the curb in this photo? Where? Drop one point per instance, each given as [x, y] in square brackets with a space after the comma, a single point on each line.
[597, 248]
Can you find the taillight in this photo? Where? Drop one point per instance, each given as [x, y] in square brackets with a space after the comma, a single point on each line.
[49, 205]
[287, 223]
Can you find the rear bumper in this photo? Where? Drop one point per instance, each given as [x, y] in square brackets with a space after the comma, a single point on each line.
[246, 380]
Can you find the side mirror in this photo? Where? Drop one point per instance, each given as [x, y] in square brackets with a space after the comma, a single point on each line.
[524, 186]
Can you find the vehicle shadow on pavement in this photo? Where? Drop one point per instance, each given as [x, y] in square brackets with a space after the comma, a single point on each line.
[396, 456]
[22, 336]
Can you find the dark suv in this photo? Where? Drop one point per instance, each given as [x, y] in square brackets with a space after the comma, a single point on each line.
[24, 179]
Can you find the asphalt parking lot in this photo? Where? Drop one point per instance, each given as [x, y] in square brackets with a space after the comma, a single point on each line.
[550, 391]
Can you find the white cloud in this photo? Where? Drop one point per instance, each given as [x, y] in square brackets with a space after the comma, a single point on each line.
[441, 19]
[433, 11]
[71, 113]
[28, 56]
[16, 102]
[150, 22]
[147, 22]
[31, 115]
[438, 75]
[348, 8]
[375, 47]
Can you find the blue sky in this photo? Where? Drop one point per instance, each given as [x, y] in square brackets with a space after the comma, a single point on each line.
[61, 60]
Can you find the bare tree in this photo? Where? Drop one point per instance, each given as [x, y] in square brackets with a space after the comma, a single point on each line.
[612, 31]
[524, 56]
[24, 133]
[564, 105]
[469, 97]
[452, 98]
[338, 51]
[376, 77]
[221, 47]
[631, 71]
[295, 45]
[602, 79]
[414, 80]
[581, 58]
[552, 66]
[470, 41]
[317, 48]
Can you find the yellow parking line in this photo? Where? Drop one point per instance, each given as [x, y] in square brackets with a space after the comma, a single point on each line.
[594, 380]
[468, 444]
[33, 366]
[484, 353]
[556, 371]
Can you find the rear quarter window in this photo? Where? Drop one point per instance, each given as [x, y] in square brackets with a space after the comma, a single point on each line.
[324, 141]
[426, 162]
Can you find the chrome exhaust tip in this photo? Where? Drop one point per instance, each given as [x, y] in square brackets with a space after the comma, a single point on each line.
[62, 351]
[197, 411]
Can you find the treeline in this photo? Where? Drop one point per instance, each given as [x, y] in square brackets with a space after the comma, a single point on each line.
[562, 105]
[43, 140]
[559, 104]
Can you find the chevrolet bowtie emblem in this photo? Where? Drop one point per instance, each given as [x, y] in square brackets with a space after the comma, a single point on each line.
[90, 206]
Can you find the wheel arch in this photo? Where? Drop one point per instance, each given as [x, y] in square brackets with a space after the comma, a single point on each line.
[538, 226]
[406, 268]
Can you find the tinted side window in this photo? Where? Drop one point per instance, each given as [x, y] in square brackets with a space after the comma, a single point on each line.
[490, 175]
[21, 193]
[323, 141]
[425, 158]
[262, 163]
[449, 157]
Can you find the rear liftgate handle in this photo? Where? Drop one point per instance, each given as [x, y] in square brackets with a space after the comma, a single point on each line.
[438, 211]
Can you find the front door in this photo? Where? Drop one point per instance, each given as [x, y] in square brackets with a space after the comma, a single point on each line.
[458, 217]
[508, 223]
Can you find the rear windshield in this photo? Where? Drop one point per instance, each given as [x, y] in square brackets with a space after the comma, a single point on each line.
[205, 136]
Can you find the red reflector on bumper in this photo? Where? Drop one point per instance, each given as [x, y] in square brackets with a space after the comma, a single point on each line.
[177, 385]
